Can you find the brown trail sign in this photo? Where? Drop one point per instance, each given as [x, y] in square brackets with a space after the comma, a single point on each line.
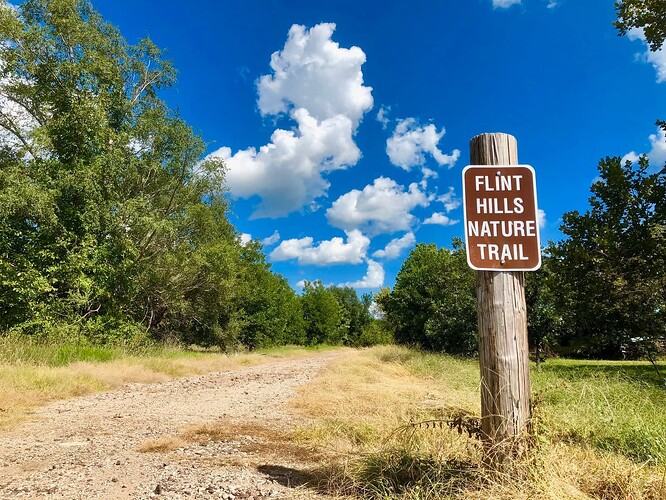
[501, 226]
[502, 240]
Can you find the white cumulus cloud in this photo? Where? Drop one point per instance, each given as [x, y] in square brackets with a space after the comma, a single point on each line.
[314, 72]
[541, 218]
[657, 58]
[381, 207]
[287, 174]
[319, 85]
[440, 219]
[333, 251]
[382, 116]
[245, 238]
[395, 247]
[272, 239]
[17, 124]
[410, 142]
[449, 200]
[505, 4]
[374, 277]
[657, 153]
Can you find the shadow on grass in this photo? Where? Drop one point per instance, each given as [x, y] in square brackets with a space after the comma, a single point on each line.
[390, 475]
[385, 475]
[640, 372]
[290, 477]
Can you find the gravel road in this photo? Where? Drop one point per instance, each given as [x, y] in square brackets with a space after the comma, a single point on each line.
[88, 447]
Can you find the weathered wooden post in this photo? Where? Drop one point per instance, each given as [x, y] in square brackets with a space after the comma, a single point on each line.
[501, 233]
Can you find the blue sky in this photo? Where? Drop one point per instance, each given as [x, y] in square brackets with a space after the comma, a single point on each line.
[346, 124]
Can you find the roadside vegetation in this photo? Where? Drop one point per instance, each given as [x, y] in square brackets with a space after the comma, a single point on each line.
[117, 256]
[114, 227]
[399, 423]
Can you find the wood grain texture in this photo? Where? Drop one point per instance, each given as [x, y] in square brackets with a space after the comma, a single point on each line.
[502, 324]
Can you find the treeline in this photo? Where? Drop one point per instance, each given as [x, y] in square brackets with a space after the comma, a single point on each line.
[601, 291]
[112, 229]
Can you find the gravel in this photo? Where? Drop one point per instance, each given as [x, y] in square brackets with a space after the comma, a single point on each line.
[87, 447]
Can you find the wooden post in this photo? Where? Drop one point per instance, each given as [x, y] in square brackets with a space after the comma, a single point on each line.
[502, 320]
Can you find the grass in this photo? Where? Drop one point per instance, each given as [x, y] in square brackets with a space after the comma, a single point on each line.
[600, 426]
[618, 407]
[33, 373]
[601, 430]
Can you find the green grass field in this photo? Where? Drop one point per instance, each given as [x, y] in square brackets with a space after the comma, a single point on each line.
[617, 406]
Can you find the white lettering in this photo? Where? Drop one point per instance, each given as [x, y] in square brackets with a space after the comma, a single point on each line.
[506, 252]
[473, 228]
[482, 205]
[501, 183]
[504, 228]
[522, 253]
[519, 228]
[531, 227]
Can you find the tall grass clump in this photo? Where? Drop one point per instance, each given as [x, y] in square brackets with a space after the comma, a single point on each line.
[613, 406]
[398, 423]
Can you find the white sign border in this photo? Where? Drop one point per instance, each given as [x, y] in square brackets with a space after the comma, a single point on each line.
[536, 213]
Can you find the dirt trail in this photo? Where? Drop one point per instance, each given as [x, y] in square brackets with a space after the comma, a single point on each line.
[88, 447]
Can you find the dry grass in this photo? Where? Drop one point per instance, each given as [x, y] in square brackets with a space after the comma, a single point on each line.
[25, 385]
[162, 445]
[363, 397]
[362, 408]
[254, 439]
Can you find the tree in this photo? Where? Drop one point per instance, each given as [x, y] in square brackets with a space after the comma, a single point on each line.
[109, 222]
[322, 315]
[544, 320]
[648, 15]
[355, 313]
[433, 302]
[610, 270]
[271, 312]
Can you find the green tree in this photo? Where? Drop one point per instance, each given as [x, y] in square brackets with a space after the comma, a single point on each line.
[322, 314]
[648, 15]
[271, 311]
[544, 320]
[610, 270]
[433, 301]
[109, 222]
[355, 313]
